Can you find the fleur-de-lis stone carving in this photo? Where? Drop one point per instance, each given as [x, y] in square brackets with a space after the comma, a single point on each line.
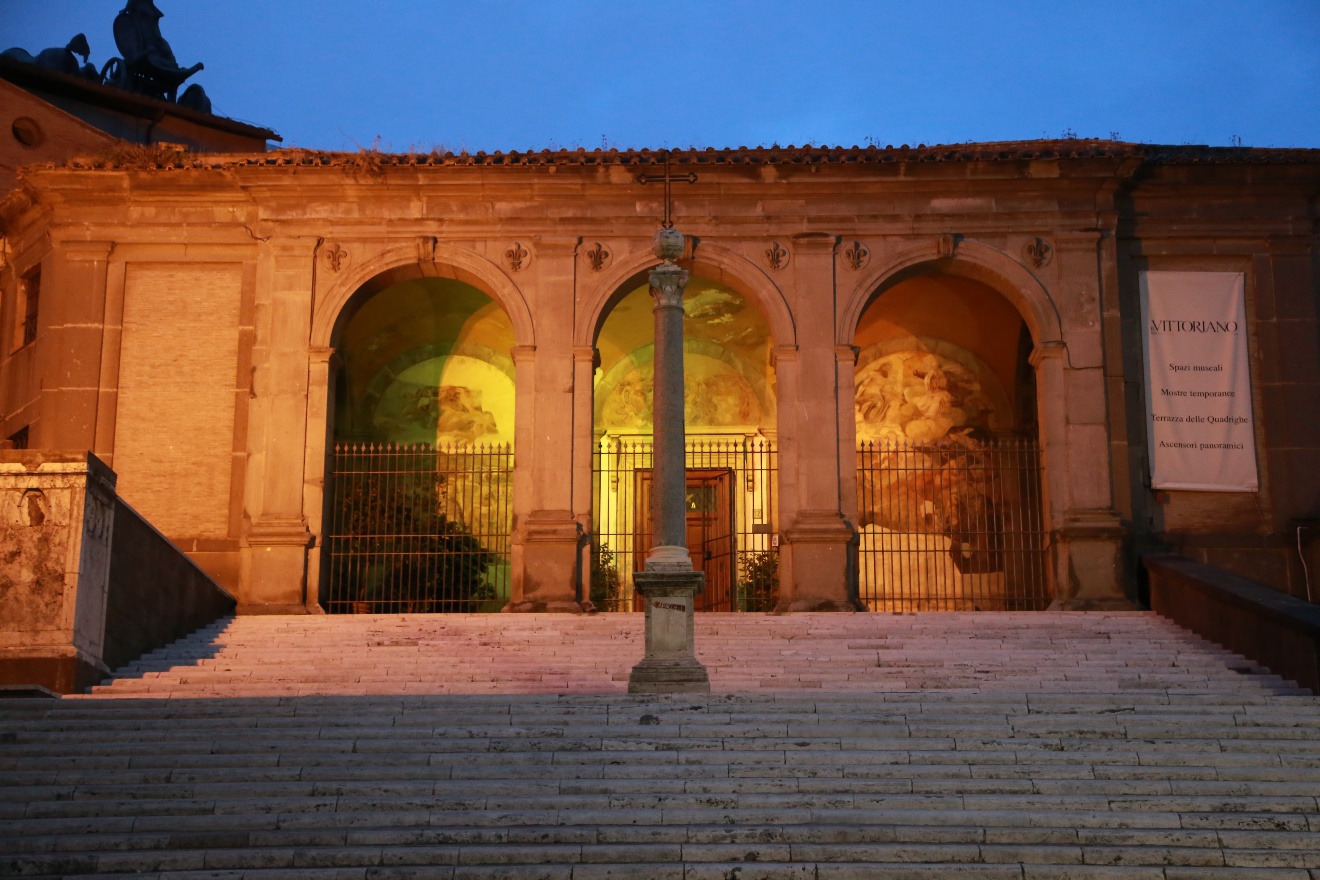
[517, 256]
[1038, 252]
[335, 257]
[776, 255]
[598, 256]
[857, 255]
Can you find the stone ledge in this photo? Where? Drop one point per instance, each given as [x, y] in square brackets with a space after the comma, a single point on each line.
[1272, 628]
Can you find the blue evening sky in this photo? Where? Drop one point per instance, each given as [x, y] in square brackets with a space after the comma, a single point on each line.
[507, 74]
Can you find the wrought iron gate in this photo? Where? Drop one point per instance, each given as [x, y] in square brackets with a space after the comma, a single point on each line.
[732, 521]
[951, 526]
[418, 528]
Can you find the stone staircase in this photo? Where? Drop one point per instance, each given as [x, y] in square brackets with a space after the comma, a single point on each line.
[833, 746]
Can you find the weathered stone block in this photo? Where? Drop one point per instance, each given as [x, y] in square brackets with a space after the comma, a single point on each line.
[56, 521]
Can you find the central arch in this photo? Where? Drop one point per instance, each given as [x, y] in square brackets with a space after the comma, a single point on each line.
[732, 426]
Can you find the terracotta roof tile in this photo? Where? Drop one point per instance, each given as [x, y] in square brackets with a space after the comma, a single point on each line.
[1002, 151]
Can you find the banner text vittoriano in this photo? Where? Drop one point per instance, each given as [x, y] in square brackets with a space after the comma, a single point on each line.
[1174, 326]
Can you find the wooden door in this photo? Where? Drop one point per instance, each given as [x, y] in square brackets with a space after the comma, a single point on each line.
[709, 533]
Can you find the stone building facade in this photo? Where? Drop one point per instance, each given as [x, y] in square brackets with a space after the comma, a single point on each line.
[201, 317]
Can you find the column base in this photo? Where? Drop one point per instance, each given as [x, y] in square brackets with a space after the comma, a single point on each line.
[274, 562]
[670, 665]
[815, 557]
[1089, 560]
[680, 676]
[546, 564]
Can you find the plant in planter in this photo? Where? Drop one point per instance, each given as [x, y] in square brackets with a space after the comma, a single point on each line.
[606, 583]
[441, 567]
[411, 556]
[758, 580]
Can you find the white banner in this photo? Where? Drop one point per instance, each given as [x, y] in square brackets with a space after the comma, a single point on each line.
[1198, 381]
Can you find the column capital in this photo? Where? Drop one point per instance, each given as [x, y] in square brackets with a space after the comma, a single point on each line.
[787, 354]
[586, 354]
[847, 354]
[319, 355]
[523, 354]
[667, 284]
[87, 251]
[1047, 351]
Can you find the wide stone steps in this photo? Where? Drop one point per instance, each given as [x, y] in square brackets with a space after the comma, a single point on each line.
[1034, 747]
[745, 653]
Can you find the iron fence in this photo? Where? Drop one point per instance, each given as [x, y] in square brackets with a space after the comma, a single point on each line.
[951, 526]
[418, 528]
[732, 521]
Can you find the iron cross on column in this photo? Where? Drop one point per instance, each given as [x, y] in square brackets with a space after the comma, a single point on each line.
[667, 179]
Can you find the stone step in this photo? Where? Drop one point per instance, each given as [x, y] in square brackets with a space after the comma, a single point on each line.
[835, 746]
[811, 857]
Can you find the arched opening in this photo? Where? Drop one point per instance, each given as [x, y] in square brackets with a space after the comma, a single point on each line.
[948, 481]
[730, 413]
[419, 494]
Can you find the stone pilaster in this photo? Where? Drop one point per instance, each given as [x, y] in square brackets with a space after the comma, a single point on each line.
[1086, 535]
[322, 366]
[584, 373]
[818, 539]
[276, 537]
[75, 297]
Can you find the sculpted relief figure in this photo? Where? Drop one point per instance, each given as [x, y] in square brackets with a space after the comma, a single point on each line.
[918, 397]
[920, 406]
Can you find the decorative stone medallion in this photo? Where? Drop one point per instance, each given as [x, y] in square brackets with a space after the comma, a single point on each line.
[517, 257]
[598, 256]
[1038, 252]
[334, 256]
[776, 256]
[857, 255]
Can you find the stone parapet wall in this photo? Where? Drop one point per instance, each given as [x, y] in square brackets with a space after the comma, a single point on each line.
[1276, 631]
[85, 583]
[157, 593]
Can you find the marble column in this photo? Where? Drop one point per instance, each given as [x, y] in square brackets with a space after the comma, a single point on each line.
[668, 582]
